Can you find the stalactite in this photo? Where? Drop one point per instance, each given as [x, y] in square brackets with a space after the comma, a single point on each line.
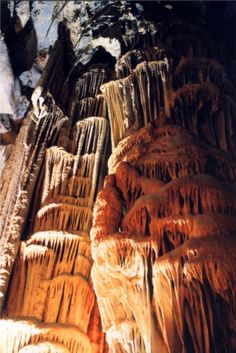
[26, 162]
[200, 70]
[35, 333]
[51, 276]
[89, 83]
[173, 206]
[123, 313]
[202, 109]
[137, 99]
[192, 266]
[62, 217]
[46, 347]
[107, 219]
[168, 153]
[128, 62]
[87, 107]
[132, 185]
[158, 276]
[45, 263]
[60, 178]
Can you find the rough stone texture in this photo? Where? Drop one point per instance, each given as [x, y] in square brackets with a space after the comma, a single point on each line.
[169, 224]
[55, 170]
[159, 274]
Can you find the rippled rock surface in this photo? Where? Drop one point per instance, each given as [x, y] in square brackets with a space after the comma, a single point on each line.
[118, 208]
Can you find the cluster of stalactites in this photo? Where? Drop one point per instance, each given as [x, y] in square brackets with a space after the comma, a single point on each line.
[196, 94]
[41, 337]
[86, 99]
[136, 100]
[52, 267]
[71, 175]
[19, 178]
[128, 62]
[167, 216]
[51, 277]
[165, 204]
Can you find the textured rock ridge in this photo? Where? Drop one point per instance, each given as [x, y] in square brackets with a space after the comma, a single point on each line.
[51, 276]
[59, 165]
[170, 228]
[163, 229]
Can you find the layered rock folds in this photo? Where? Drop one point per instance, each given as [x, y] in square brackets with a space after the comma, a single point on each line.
[164, 224]
[145, 255]
[50, 295]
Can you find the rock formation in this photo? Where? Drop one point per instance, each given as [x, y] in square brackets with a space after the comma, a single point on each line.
[135, 253]
[171, 231]
[55, 170]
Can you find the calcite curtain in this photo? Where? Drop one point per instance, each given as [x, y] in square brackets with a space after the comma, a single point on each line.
[118, 193]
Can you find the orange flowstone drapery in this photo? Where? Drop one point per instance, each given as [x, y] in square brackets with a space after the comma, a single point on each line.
[141, 260]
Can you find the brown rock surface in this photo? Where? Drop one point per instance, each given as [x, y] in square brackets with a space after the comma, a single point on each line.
[164, 268]
[58, 166]
[164, 242]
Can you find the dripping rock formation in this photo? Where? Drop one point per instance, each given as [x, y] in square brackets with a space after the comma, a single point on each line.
[118, 192]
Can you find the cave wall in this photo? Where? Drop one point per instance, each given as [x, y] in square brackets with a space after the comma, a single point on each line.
[148, 258]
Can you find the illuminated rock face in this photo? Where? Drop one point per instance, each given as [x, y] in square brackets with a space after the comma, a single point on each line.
[163, 238]
[55, 171]
[163, 234]
[51, 276]
[159, 276]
